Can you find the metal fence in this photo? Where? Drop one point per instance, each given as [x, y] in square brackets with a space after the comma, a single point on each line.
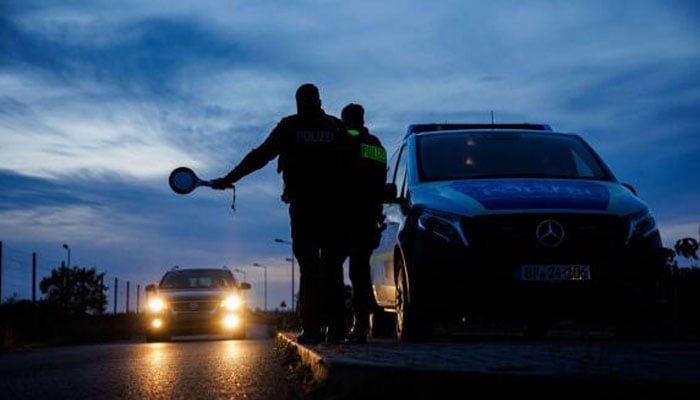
[21, 271]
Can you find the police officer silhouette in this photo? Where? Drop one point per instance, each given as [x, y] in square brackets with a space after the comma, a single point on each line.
[367, 179]
[314, 153]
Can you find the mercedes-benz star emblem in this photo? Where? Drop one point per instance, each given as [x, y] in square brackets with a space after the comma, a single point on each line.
[550, 233]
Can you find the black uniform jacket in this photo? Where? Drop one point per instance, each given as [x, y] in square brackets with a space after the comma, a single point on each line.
[315, 154]
[367, 180]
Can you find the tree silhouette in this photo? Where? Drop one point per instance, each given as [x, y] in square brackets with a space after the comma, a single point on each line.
[75, 290]
[687, 247]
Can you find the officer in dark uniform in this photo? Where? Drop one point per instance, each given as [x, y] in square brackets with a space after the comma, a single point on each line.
[367, 180]
[314, 156]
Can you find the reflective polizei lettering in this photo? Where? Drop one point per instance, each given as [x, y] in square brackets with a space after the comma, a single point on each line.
[373, 153]
[315, 136]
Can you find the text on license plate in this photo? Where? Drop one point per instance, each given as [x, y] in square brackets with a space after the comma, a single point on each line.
[553, 273]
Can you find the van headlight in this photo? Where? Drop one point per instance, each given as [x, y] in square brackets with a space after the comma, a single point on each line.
[443, 225]
[156, 304]
[232, 302]
[642, 225]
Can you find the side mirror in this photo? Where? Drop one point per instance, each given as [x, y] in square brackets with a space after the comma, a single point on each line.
[630, 188]
[390, 193]
[244, 286]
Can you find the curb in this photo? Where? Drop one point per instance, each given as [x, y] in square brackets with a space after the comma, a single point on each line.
[551, 370]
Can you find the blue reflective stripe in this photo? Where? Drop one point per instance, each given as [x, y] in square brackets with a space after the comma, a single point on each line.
[518, 194]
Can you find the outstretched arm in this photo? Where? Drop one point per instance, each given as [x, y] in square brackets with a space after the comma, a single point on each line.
[253, 161]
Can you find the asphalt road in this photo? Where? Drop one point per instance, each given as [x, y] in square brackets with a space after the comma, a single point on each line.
[263, 367]
[195, 367]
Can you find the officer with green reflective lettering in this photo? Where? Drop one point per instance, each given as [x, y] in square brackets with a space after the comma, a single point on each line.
[367, 178]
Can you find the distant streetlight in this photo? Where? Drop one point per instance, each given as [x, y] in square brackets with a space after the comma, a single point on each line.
[290, 259]
[241, 272]
[65, 246]
[264, 267]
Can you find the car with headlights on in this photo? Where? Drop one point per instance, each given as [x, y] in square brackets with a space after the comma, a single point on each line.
[508, 221]
[196, 300]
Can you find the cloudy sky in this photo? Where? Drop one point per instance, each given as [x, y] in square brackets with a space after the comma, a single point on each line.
[100, 100]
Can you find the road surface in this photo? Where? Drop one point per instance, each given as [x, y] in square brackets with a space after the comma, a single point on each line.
[195, 367]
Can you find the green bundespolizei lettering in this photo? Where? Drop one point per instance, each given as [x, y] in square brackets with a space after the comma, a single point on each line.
[353, 132]
[373, 153]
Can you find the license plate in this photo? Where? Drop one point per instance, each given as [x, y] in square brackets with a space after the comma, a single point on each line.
[554, 273]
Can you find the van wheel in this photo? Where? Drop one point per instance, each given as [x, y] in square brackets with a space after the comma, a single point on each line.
[412, 324]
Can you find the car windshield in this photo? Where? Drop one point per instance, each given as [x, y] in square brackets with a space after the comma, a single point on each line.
[198, 279]
[467, 155]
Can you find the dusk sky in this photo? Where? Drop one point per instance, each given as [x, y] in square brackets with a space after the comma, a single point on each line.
[100, 100]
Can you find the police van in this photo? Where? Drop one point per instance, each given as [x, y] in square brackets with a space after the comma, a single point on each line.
[512, 221]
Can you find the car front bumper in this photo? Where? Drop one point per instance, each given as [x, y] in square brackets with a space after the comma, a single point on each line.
[453, 279]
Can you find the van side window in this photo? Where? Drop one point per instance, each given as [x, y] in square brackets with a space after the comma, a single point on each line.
[400, 178]
[391, 166]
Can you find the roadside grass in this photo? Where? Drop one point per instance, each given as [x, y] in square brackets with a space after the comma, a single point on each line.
[25, 325]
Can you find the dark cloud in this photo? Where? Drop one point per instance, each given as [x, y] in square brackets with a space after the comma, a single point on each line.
[143, 54]
[129, 87]
[20, 192]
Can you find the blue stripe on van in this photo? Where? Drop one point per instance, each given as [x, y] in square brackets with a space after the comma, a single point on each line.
[540, 194]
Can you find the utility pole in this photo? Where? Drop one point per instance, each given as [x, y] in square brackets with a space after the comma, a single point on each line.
[138, 297]
[33, 277]
[291, 259]
[62, 297]
[264, 267]
[126, 308]
[65, 246]
[116, 289]
[0, 271]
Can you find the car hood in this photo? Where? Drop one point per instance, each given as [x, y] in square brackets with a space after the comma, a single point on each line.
[496, 196]
[183, 295]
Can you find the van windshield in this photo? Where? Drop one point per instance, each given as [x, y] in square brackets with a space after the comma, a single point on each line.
[473, 155]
